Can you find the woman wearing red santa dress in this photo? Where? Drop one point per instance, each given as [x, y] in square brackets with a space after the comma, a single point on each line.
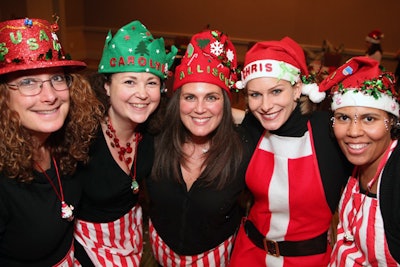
[366, 125]
[297, 170]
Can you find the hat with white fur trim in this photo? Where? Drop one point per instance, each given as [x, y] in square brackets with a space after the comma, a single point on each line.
[374, 37]
[360, 82]
[282, 59]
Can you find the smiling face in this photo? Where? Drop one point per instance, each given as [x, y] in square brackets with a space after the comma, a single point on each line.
[272, 101]
[45, 112]
[134, 96]
[201, 108]
[363, 134]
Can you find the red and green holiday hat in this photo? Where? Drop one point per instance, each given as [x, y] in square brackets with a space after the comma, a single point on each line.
[374, 37]
[31, 44]
[283, 59]
[210, 57]
[361, 82]
[133, 49]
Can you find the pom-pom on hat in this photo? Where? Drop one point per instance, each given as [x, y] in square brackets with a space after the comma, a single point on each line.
[210, 57]
[374, 37]
[360, 82]
[282, 59]
[31, 44]
[133, 49]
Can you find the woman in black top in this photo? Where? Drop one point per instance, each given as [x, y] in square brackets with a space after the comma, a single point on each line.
[48, 116]
[200, 161]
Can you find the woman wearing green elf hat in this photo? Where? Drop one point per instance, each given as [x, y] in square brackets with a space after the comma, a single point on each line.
[132, 72]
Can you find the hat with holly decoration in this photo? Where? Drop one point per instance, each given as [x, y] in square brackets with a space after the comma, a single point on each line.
[360, 82]
[210, 57]
[374, 37]
[31, 44]
[133, 49]
[282, 59]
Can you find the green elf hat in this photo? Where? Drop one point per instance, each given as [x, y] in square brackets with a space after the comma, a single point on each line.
[133, 49]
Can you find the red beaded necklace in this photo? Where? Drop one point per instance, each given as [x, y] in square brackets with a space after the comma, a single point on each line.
[66, 210]
[111, 133]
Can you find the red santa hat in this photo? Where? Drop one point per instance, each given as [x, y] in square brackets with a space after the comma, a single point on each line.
[282, 59]
[210, 57]
[374, 37]
[360, 82]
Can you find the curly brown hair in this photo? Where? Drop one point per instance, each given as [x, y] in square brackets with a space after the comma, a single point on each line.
[69, 145]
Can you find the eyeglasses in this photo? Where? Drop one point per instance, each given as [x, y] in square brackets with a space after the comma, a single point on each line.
[32, 87]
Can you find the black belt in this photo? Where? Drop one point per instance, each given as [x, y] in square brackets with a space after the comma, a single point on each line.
[311, 246]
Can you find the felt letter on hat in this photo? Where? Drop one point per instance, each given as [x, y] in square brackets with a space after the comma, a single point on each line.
[16, 40]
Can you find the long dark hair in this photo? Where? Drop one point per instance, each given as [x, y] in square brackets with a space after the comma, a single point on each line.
[223, 158]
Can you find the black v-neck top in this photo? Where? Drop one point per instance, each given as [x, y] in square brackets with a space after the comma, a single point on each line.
[107, 193]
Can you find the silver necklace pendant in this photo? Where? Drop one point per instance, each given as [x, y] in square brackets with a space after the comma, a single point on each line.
[67, 211]
[348, 237]
[135, 186]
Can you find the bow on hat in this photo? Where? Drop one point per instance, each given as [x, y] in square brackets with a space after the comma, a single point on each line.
[360, 82]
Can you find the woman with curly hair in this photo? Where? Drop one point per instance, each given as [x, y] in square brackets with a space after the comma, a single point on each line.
[49, 115]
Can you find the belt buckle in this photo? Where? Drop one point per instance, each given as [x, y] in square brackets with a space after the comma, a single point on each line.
[271, 247]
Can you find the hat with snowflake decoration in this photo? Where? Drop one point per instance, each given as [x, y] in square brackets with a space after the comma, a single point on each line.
[360, 82]
[133, 49]
[210, 57]
[374, 37]
[32, 44]
[282, 59]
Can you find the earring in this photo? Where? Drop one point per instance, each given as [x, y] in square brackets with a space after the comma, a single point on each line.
[333, 121]
[386, 122]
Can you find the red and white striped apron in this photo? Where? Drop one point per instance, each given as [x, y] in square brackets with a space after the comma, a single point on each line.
[362, 214]
[290, 202]
[118, 243]
[69, 260]
[216, 257]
